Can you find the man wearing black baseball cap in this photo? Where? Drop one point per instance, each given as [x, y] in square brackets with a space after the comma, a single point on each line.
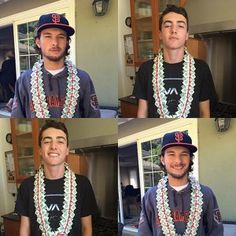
[179, 205]
[54, 87]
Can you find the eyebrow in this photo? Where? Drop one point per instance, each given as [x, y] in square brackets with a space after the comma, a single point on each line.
[48, 33]
[58, 137]
[179, 21]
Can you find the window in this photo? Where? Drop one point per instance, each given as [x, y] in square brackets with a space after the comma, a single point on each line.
[27, 53]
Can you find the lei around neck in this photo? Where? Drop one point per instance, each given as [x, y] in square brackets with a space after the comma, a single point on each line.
[187, 88]
[164, 211]
[69, 203]
[40, 104]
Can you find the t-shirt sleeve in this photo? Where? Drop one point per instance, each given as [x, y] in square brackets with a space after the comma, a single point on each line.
[88, 201]
[141, 82]
[22, 201]
[88, 101]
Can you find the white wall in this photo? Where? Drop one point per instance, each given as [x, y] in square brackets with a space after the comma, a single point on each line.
[96, 46]
[124, 82]
[7, 201]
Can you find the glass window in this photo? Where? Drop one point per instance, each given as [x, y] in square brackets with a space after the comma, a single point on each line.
[28, 54]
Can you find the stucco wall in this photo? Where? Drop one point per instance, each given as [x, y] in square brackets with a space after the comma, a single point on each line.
[217, 164]
[96, 46]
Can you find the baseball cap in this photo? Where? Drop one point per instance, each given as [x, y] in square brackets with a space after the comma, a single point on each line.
[54, 20]
[178, 138]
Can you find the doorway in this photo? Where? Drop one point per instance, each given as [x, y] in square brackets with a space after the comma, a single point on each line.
[130, 187]
[7, 69]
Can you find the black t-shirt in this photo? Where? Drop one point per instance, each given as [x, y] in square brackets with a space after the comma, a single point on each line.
[203, 89]
[85, 206]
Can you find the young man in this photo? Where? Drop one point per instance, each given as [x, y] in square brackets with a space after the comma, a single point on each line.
[55, 201]
[174, 84]
[54, 87]
[179, 205]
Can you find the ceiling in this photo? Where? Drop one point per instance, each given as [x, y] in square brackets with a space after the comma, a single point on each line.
[3, 1]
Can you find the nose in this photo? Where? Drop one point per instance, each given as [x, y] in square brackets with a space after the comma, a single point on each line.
[178, 159]
[54, 41]
[53, 145]
[173, 29]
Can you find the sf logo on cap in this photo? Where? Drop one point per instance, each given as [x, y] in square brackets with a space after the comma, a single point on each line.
[56, 18]
[179, 137]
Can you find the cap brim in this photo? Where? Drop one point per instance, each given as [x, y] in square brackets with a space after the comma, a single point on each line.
[68, 29]
[191, 147]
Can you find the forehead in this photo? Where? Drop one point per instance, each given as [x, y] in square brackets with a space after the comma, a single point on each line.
[177, 149]
[52, 132]
[174, 17]
[53, 31]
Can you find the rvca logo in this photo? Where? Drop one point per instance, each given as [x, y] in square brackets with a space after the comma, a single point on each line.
[52, 207]
[171, 91]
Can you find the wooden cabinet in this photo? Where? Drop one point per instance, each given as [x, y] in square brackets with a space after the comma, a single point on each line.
[27, 159]
[145, 27]
[25, 147]
[11, 224]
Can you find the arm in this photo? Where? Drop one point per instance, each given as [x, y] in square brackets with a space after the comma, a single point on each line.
[86, 225]
[204, 108]
[142, 108]
[213, 220]
[24, 226]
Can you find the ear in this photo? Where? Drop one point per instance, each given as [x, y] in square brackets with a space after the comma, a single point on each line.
[187, 36]
[37, 41]
[162, 160]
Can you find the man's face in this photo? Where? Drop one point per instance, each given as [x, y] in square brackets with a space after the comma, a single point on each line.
[54, 147]
[176, 160]
[53, 42]
[174, 31]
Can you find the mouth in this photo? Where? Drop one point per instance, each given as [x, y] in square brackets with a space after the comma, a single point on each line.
[179, 167]
[52, 154]
[55, 50]
[173, 38]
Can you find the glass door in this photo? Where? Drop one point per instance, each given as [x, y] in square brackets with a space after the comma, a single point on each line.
[144, 34]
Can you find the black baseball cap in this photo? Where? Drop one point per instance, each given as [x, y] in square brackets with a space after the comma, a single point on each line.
[54, 20]
[178, 138]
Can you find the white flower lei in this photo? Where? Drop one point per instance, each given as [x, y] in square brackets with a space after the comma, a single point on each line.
[69, 204]
[187, 88]
[39, 96]
[164, 211]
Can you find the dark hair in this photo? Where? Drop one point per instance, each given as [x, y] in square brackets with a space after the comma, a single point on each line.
[53, 124]
[190, 168]
[39, 51]
[173, 8]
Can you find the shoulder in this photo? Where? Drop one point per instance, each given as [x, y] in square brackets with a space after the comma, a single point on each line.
[200, 64]
[25, 76]
[83, 74]
[27, 183]
[207, 191]
[151, 193]
[147, 65]
[81, 179]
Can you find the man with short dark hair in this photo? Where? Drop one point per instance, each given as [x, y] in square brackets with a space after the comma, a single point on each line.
[55, 202]
[179, 205]
[54, 87]
[174, 84]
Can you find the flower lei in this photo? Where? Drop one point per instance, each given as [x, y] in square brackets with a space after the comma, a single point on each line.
[164, 211]
[69, 204]
[187, 88]
[39, 97]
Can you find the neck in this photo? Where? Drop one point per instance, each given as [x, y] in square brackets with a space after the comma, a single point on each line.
[53, 65]
[177, 182]
[173, 56]
[54, 172]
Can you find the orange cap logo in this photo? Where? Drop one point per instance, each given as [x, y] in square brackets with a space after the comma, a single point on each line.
[56, 18]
